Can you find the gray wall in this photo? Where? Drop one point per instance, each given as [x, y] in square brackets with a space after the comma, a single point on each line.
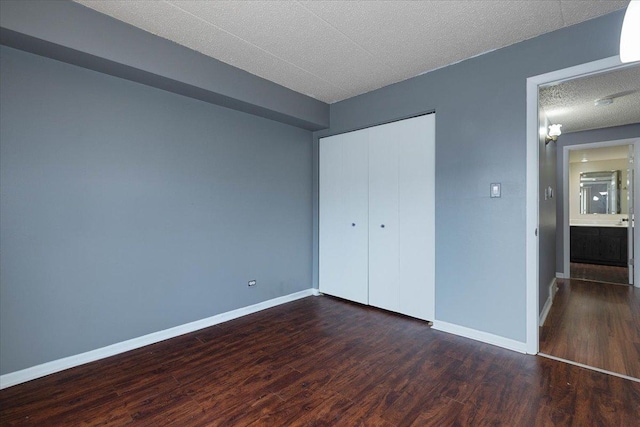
[480, 138]
[75, 34]
[578, 138]
[125, 209]
[546, 214]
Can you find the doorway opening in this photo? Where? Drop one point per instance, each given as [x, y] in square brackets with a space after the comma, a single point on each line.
[570, 292]
[597, 211]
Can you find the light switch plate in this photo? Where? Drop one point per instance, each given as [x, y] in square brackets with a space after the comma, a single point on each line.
[496, 190]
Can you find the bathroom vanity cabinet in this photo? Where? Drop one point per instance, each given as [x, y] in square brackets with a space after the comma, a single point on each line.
[599, 245]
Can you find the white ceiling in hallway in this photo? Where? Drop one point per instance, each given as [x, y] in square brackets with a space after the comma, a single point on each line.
[333, 50]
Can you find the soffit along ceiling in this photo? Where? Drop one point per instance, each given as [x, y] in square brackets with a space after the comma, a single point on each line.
[573, 103]
[333, 50]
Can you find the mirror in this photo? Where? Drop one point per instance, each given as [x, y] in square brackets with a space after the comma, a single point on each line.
[600, 192]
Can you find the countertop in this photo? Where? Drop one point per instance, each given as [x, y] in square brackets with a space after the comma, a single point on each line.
[605, 223]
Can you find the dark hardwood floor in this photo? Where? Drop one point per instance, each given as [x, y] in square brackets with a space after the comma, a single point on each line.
[595, 324]
[600, 273]
[323, 362]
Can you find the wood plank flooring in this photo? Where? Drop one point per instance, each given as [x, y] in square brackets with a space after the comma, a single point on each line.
[600, 273]
[321, 361]
[595, 324]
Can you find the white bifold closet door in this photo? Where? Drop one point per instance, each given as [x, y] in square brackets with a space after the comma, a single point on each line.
[384, 250]
[402, 216]
[343, 251]
[377, 216]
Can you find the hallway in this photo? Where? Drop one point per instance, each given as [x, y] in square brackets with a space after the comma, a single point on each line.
[595, 324]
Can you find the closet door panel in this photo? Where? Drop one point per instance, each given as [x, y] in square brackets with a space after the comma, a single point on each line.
[383, 218]
[356, 208]
[416, 211]
[343, 240]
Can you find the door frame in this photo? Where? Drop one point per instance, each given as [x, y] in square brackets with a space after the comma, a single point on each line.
[532, 182]
[565, 202]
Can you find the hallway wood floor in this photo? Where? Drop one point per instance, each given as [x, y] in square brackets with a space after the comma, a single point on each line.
[595, 324]
[321, 361]
[600, 273]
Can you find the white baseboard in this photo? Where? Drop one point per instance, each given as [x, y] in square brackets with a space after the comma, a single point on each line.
[559, 275]
[316, 293]
[485, 337]
[28, 374]
[553, 288]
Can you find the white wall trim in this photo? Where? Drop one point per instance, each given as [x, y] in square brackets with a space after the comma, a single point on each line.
[316, 293]
[481, 336]
[566, 229]
[553, 289]
[559, 275]
[532, 178]
[531, 217]
[28, 374]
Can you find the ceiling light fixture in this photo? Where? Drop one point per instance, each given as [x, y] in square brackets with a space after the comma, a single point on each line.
[629, 46]
[602, 102]
[554, 133]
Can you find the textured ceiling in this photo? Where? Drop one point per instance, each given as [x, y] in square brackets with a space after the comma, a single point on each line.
[572, 103]
[332, 50]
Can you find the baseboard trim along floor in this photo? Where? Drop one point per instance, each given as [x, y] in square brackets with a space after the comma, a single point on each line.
[553, 289]
[54, 366]
[28, 374]
[481, 336]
